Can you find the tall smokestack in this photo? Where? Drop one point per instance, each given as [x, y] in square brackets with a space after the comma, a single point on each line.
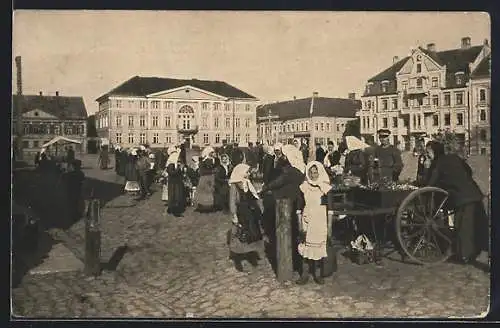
[19, 76]
[18, 110]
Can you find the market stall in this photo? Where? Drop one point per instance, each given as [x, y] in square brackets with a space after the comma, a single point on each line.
[418, 218]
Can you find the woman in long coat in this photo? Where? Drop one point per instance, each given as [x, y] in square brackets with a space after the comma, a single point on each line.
[223, 170]
[131, 174]
[315, 225]
[176, 189]
[103, 160]
[453, 174]
[245, 242]
[286, 192]
[204, 197]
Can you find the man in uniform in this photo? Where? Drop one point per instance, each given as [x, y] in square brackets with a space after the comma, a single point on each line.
[388, 157]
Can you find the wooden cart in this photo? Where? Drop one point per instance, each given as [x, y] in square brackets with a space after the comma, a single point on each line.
[419, 224]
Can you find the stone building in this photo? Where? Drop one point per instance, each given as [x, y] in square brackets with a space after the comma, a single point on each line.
[425, 92]
[45, 117]
[164, 111]
[286, 120]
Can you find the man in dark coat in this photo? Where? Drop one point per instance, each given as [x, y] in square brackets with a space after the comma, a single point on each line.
[237, 155]
[320, 153]
[251, 156]
[143, 167]
[387, 157]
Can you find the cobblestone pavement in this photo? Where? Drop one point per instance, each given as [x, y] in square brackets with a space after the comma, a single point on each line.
[179, 267]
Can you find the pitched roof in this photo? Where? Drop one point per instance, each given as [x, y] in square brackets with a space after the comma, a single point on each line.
[299, 108]
[390, 73]
[60, 106]
[456, 60]
[142, 86]
[483, 69]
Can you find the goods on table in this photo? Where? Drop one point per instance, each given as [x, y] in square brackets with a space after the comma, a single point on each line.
[382, 194]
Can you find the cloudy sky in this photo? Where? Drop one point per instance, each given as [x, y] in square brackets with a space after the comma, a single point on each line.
[271, 55]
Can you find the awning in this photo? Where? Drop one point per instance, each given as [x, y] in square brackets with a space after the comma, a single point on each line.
[61, 140]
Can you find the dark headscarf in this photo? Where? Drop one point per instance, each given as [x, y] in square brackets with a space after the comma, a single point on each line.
[437, 148]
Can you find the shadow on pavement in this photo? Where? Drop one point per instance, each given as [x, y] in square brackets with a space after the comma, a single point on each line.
[115, 259]
[24, 260]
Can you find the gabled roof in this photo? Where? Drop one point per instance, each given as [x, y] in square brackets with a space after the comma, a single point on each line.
[299, 108]
[455, 60]
[483, 69]
[61, 107]
[141, 86]
[390, 73]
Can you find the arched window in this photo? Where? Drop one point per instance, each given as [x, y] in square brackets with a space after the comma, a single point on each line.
[186, 117]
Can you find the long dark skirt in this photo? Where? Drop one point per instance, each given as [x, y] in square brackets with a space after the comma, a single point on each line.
[176, 195]
[472, 227]
[249, 217]
[221, 196]
[287, 257]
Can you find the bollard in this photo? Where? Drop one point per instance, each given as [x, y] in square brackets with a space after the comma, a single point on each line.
[92, 239]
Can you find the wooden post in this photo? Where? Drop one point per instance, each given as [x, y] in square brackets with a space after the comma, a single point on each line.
[284, 243]
[92, 239]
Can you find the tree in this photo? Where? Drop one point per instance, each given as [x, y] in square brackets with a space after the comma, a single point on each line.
[352, 128]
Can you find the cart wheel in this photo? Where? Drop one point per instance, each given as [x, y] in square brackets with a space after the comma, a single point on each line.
[422, 226]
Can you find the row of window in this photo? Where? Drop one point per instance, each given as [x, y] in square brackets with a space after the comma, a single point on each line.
[33, 128]
[303, 126]
[169, 105]
[38, 143]
[206, 138]
[167, 122]
[418, 82]
[392, 103]
[417, 121]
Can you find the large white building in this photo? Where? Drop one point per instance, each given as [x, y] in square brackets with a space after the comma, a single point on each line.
[164, 111]
[428, 91]
[286, 120]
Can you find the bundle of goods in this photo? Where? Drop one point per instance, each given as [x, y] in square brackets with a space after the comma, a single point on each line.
[382, 194]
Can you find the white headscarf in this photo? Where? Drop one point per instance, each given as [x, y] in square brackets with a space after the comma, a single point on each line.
[277, 146]
[173, 158]
[323, 181]
[133, 152]
[238, 175]
[354, 143]
[206, 152]
[298, 142]
[426, 140]
[171, 149]
[268, 150]
[294, 156]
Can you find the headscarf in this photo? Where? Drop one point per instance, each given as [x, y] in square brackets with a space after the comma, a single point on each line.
[437, 148]
[44, 149]
[426, 140]
[298, 142]
[238, 175]
[173, 158]
[277, 146]
[206, 152]
[294, 156]
[225, 165]
[133, 152]
[268, 149]
[354, 143]
[171, 149]
[326, 160]
[323, 181]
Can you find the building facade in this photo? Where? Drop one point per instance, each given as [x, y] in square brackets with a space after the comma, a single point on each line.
[287, 120]
[425, 92]
[45, 117]
[161, 112]
[480, 109]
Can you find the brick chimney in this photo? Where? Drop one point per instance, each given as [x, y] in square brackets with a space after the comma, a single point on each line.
[315, 94]
[466, 42]
[486, 42]
[352, 95]
[41, 93]
[431, 47]
[395, 59]
[57, 93]
[294, 98]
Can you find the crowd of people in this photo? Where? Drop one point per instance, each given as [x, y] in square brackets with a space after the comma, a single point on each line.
[292, 200]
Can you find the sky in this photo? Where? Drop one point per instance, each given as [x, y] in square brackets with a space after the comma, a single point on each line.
[273, 56]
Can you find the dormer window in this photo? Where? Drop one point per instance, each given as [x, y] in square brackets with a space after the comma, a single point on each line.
[459, 78]
[368, 88]
[385, 86]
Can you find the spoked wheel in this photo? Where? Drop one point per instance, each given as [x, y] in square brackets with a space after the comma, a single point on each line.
[422, 226]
